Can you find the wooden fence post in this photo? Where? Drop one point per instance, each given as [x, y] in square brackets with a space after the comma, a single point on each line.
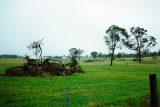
[153, 90]
[67, 97]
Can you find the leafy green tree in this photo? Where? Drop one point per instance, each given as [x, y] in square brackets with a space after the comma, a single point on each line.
[36, 46]
[139, 41]
[146, 53]
[80, 52]
[154, 55]
[94, 54]
[74, 65]
[114, 38]
[120, 55]
[100, 55]
[73, 52]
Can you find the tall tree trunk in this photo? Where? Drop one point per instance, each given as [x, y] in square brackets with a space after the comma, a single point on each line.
[40, 56]
[112, 57]
[111, 60]
[139, 54]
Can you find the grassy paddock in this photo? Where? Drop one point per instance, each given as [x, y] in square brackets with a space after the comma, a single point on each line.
[100, 85]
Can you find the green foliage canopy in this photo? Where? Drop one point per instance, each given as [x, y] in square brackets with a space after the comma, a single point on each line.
[139, 41]
[114, 38]
[94, 54]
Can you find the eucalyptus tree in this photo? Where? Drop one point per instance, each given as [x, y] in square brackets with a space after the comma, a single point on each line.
[94, 54]
[100, 55]
[139, 41]
[80, 52]
[113, 39]
[74, 55]
[36, 46]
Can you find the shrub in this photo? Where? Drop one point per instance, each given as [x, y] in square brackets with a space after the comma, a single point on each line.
[135, 59]
[89, 60]
[121, 59]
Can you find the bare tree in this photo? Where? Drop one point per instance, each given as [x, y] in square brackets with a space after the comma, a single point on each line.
[36, 46]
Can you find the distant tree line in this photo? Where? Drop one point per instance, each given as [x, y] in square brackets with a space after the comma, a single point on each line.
[10, 56]
[134, 55]
[53, 57]
[100, 55]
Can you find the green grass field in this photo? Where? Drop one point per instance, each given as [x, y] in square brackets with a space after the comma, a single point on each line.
[101, 85]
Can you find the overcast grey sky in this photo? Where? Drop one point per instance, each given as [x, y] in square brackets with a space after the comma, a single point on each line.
[71, 23]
